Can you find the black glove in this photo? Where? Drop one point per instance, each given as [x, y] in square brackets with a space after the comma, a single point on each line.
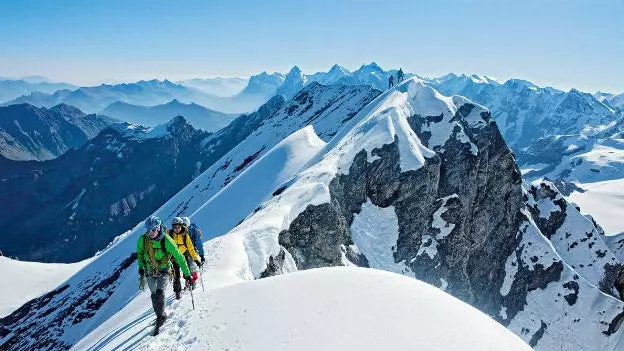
[188, 280]
[141, 272]
[199, 264]
[203, 259]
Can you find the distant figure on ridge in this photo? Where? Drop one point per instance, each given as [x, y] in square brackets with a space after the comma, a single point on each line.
[390, 81]
[154, 252]
[400, 75]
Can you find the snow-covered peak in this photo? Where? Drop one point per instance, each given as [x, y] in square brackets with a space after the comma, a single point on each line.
[294, 72]
[481, 79]
[576, 102]
[175, 127]
[518, 84]
[452, 78]
[338, 70]
[373, 66]
[264, 83]
[294, 81]
[372, 310]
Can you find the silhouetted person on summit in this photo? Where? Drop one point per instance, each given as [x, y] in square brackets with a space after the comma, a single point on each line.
[400, 75]
[390, 81]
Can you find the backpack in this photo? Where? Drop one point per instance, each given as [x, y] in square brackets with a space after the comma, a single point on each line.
[196, 230]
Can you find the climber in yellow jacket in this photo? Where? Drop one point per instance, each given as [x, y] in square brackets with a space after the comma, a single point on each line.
[155, 253]
[180, 235]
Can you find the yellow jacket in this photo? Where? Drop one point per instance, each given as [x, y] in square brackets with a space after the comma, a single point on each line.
[184, 242]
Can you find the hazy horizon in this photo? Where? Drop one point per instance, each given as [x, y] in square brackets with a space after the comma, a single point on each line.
[550, 43]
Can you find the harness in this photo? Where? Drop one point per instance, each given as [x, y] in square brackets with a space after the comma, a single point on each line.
[155, 264]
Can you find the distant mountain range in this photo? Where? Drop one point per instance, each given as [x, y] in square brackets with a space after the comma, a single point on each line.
[227, 95]
[31, 133]
[11, 89]
[199, 116]
[95, 99]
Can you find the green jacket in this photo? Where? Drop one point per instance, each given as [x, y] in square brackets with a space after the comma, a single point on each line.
[171, 249]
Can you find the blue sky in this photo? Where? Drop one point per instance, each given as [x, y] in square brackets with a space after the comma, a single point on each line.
[562, 43]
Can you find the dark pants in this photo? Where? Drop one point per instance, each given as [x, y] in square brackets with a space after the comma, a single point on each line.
[390, 84]
[157, 285]
[177, 274]
[177, 285]
[400, 79]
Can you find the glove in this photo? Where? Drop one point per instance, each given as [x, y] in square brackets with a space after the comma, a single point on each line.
[199, 264]
[188, 280]
[141, 272]
[203, 259]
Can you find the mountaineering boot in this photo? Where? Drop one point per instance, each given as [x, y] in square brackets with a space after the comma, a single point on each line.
[158, 300]
[161, 317]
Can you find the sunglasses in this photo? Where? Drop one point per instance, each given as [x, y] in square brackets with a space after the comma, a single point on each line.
[153, 230]
[177, 226]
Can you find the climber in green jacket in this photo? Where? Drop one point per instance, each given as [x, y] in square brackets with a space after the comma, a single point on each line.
[155, 264]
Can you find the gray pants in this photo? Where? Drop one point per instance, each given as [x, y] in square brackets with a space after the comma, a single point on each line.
[157, 287]
[155, 283]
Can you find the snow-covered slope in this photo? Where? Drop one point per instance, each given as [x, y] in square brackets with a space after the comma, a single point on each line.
[326, 108]
[333, 309]
[604, 200]
[256, 184]
[431, 172]
[590, 170]
[29, 280]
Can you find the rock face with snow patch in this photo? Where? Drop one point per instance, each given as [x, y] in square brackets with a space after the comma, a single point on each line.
[464, 220]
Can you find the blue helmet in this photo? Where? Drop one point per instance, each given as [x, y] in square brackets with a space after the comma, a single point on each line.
[152, 222]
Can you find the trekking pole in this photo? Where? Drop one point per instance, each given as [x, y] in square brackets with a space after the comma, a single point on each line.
[192, 299]
[201, 278]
